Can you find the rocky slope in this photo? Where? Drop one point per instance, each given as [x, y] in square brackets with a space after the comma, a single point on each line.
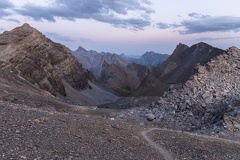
[42, 62]
[206, 102]
[178, 67]
[93, 60]
[150, 59]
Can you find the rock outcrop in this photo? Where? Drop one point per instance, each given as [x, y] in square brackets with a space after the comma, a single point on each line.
[203, 102]
[28, 53]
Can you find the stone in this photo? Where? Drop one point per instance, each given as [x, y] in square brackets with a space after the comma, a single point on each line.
[150, 117]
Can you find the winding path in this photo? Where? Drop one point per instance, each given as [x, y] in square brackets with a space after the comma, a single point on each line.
[164, 152]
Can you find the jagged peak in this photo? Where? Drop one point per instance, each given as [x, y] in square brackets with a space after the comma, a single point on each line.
[201, 45]
[80, 48]
[26, 25]
[25, 29]
[182, 45]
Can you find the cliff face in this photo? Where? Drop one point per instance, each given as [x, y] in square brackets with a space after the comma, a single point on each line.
[42, 62]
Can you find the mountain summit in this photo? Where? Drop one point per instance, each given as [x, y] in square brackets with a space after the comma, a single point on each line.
[46, 64]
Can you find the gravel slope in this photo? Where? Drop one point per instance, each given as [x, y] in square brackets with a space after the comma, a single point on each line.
[28, 133]
[183, 145]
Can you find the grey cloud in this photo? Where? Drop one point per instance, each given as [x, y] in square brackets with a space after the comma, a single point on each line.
[85, 40]
[59, 37]
[100, 10]
[204, 23]
[163, 25]
[214, 39]
[12, 20]
[5, 4]
[211, 24]
[197, 15]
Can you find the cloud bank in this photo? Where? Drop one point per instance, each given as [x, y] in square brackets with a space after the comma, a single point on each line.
[133, 14]
[204, 23]
[4, 5]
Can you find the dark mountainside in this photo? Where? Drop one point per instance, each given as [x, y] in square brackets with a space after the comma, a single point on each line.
[28, 53]
[35, 124]
[178, 67]
[125, 80]
[150, 59]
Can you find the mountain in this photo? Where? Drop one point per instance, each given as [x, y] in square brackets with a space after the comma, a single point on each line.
[206, 103]
[124, 80]
[93, 60]
[48, 65]
[150, 59]
[178, 67]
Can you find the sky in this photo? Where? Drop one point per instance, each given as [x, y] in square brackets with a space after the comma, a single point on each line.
[132, 27]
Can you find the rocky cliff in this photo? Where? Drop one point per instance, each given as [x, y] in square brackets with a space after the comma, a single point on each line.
[208, 102]
[46, 64]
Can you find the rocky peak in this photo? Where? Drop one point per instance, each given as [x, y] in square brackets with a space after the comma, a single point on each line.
[81, 49]
[180, 48]
[42, 62]
[180, 65]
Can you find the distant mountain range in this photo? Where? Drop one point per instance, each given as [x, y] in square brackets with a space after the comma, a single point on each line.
[139, 76]
[93, 60]
[151, 59]
[52, 67]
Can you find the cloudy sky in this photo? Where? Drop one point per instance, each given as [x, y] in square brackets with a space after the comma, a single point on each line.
[128, 26]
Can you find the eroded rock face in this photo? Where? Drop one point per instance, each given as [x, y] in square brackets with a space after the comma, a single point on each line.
[211, 96]
[42, 62]
[126, 80]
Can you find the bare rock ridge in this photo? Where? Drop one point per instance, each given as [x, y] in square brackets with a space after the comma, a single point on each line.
[42, 62]
[208, 102]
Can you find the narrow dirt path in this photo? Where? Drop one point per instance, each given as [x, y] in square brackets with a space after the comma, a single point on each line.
[164, 152]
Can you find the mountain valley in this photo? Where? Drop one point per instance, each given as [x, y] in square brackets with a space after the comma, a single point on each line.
[61, 104]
